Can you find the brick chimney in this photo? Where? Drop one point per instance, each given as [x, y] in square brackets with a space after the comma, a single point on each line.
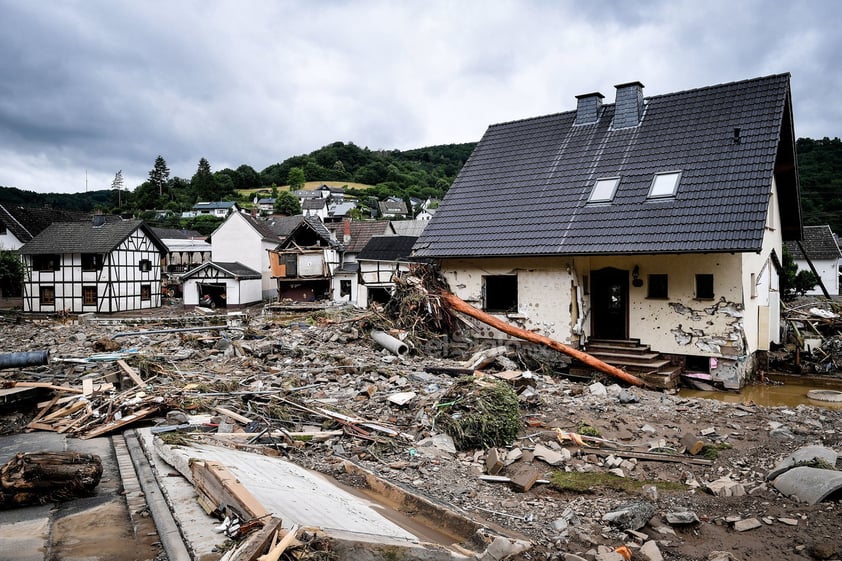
[346, 231]
[587, 108]
[628, 110]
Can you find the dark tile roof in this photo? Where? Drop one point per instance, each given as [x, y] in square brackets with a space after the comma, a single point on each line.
[176, 234]
[818, 242]
[230, 269]
[392, 207]
[310, 232]
[283, 225]
[313, 204]
[27, 222]
[361, 232]
[86, 237]
[524, 189]
[387, 248]
[263, 227]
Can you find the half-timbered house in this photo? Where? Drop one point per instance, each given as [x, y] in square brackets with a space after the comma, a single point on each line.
[103, 265]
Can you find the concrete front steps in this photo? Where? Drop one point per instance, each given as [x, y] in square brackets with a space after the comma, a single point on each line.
[629, 355]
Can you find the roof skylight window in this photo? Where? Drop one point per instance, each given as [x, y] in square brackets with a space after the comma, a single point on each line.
[603, 190]
[664, 184]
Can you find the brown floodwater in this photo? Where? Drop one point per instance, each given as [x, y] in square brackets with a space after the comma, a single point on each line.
[771, 395]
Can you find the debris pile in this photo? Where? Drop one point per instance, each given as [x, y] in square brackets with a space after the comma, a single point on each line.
[813, 343]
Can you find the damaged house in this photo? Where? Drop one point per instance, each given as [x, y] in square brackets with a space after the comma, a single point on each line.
[649, 229]
[304, 263]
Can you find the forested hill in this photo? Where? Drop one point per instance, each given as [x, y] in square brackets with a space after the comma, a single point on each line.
[423, 172]
[820, 170]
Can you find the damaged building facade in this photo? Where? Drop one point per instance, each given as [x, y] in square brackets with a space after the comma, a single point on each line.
[654, 223]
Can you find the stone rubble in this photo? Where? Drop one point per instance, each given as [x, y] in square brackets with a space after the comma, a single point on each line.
[720, 510]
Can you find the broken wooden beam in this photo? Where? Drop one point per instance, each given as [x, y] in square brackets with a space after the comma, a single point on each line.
[42, 477]
[461, 306]
[219, 487]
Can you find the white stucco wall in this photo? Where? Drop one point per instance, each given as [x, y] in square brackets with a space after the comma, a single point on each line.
[828, 270]
[237, 241]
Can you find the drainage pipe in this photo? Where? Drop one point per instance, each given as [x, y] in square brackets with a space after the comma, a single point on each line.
[390, 343]
[18, 360]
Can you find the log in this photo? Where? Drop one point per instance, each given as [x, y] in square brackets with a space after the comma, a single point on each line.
[42, 477]
[460, 305]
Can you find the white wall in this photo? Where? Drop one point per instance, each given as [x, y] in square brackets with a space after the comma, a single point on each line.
[237, 241]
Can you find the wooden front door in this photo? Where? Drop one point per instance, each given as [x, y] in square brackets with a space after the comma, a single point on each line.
[610, 304]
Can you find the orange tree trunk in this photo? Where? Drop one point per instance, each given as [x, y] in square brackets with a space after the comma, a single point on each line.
[460, 305]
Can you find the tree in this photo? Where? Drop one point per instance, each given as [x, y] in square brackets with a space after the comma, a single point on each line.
[11, 273]
[287, 203]
[793, 282]
[296, 178]
[202, 183]
[159, 174]
[117, 185]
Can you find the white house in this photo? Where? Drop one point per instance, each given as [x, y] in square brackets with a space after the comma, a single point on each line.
[654, 223]
[104, 265]
[823, 251]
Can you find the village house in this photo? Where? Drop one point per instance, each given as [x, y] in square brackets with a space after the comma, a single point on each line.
[104, 265]
[304, 263]
[219, 209]
[821, 247]
[19, 224]
[381, 260]
[650, 226]
[353, 235]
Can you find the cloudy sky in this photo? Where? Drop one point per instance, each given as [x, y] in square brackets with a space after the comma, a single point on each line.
[89, 87]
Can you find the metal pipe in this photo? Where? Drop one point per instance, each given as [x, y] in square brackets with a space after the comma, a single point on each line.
[18, 360]
[390, 343]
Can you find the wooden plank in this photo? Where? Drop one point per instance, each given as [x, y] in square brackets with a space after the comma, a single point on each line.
[651, 456]
[114, 425]
[49, 405]
[48, 386]
[275, 553]
[234, 415]
[131, 373]
[258, 542]
[66, 410]
[219, 485]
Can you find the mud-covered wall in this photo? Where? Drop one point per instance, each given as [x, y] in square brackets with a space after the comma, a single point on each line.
[545, 286]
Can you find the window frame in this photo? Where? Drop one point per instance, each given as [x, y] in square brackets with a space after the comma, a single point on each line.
[86, 293]
[41, 262]
[610, 195]
[653, 195]
[496, 303]
[47, 295]
[706, 278]
[345, 286]
[145, 265]
[657, 286]
[96, 265]
[146, 293]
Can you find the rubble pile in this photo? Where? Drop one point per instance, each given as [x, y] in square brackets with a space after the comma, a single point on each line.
[591, 469]
[813, 344]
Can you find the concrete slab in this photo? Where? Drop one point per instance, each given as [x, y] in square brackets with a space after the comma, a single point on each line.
[96, 528]
[810, 485]
[360, 527]
[803, 456]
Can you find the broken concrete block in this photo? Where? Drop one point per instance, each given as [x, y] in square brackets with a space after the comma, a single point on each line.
[692, 445]
[598, 389]
[681, 517]
[523, 476]
[552, 457]
[631, 516]
[493, 463]
[725, 487]
[804, 456]
[649, 551]
[747, 524]
[788, 521]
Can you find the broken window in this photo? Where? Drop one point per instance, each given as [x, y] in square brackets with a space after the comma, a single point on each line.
[91, 262]
[89, 295]
[500, 293]
[145, 265]
[603, 190]
[664, 184]
[658, 287]
[47, 294]
[145, 292]
[704, 286]
[344, 287]
[46, 262]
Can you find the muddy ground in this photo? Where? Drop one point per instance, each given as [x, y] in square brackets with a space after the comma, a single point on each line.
[328, 359]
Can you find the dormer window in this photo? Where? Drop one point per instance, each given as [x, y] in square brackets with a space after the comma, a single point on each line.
[603, 190]
[664, 185]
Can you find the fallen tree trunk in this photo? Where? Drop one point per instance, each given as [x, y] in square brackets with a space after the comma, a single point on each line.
[460, 305]
[42, 477]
